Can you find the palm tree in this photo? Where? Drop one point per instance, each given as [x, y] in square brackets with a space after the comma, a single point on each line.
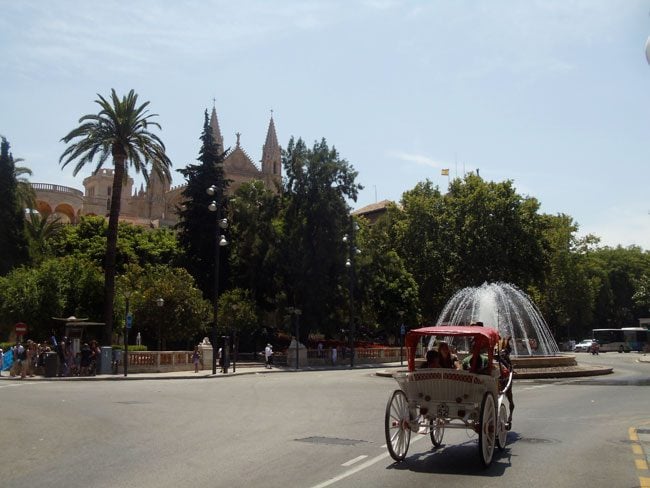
[25, 194]
[119, 130]
[39, 228]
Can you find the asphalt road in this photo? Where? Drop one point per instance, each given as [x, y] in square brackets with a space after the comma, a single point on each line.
[311, 429]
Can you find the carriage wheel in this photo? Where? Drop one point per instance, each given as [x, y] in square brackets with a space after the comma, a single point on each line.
[397, 428]
[502, 427]
[487, 433]
[437, 431]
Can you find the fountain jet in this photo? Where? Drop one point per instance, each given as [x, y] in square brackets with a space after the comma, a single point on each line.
[504, 307]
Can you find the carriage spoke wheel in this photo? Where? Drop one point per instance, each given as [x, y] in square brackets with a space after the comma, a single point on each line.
[502, 428]
[437, 431]
[397, 428]
[487, 433]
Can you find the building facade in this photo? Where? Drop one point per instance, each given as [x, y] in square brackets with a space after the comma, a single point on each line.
[157, 204]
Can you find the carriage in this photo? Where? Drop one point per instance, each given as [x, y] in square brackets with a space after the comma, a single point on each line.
[431, 400]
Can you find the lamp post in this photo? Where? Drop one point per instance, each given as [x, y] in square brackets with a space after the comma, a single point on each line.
[128, 322]
[401, 337]
[297, 312]
[160, 302]
[235, 344]
[222, 224]
[349, 240]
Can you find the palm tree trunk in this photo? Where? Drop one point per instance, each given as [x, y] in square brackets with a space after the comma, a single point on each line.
[111, 249]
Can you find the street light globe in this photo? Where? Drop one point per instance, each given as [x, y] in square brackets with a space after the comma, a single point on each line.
[348, 263]
[222, 241]
[212, 190]
[213, 206]
[160, 301]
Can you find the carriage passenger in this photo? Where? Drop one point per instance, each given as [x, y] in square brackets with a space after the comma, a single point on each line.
[447, 358]
[477, 361]
[432, 359]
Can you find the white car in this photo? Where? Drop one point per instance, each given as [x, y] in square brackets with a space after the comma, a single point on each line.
[584, 346]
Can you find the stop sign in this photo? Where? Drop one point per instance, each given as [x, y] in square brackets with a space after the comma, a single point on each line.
[21, 328]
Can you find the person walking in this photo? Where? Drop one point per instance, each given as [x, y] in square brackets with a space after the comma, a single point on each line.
[268, 355]
[196, 357]
[335, 354]
[2, 361]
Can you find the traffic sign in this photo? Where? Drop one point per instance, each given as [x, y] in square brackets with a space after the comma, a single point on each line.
[21, 328]
[129, 321]
[403, 330]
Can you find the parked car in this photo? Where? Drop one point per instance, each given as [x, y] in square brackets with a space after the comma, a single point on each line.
[584, 346]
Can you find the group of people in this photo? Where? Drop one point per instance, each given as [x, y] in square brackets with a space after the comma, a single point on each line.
[476, 362]
[28, 357]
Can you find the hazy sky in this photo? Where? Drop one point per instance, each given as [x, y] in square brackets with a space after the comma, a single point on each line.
[554, 95]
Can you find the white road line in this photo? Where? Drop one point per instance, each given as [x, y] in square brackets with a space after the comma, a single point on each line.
[355, 460]
[356, 469]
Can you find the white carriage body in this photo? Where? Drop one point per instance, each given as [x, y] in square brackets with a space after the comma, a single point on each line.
[447, 393]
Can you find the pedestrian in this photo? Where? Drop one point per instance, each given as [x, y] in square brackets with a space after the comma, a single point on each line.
[268, 355]
[335, 353]
[2, 361]
[196, 357]
[320, 349]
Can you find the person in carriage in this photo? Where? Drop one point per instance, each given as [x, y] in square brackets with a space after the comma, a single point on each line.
[505, 366]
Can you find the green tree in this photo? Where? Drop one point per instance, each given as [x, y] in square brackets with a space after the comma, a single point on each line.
[24, 192]
[568, 295]
[254, 247]
[237, 312]
[417, 233]
[120, 130]
[494, 232]
[40, 228]
[314, 220]
[55, 288]
[390, 294]
[198, 229]
[135, 244]
[13, 244]
[182, 319]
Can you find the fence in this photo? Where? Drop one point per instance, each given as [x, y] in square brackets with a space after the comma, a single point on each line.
[166, 361]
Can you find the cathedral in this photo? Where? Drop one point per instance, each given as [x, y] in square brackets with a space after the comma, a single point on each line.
[156, 205]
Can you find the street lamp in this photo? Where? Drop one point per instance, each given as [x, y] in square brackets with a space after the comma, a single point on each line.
[297, 312]
[401, 336]
[159, 303]
[349, 241]
[222, 225]
[128, 321]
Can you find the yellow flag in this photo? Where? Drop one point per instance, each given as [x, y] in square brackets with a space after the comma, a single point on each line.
[445, 172]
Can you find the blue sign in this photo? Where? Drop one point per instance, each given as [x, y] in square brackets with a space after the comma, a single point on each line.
[403, 330]
[129, 321]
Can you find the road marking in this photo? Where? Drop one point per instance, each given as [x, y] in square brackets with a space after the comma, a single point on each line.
[640, 463]
[355, 460]
[358, 468]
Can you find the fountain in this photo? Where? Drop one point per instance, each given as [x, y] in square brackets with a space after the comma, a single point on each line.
[509, 310]
[506, 308]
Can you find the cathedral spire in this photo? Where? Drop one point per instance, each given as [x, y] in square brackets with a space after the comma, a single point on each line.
[271, 153]
[214, 124]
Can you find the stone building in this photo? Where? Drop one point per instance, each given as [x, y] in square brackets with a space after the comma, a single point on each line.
[156, 204]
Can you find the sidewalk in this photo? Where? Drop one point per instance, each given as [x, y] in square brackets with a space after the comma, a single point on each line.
[241, 369]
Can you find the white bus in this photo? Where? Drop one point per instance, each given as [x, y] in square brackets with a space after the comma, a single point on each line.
[621, 340]
[636, 338]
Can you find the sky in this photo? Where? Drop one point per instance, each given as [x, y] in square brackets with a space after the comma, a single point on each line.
[553, 95]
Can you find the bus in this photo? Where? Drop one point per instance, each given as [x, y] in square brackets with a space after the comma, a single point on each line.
[621, 340]
[636, 338]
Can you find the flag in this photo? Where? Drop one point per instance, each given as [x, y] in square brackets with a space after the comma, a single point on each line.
[445, 172]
